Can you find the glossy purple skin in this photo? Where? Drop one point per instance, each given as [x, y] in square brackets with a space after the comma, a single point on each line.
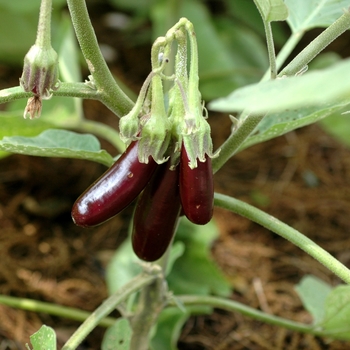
[114, 190]
[196, 190]
[156, 214]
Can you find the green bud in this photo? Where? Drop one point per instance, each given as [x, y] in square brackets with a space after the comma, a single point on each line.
[40, 71]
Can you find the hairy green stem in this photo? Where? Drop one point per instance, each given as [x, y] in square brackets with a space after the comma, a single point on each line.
[107, 307]
[150, 305]
[43, 37]
[52, 309]
[111, 94]
[317, 45]
[285, 231]
[233, 143]
[80, 90]
[234, 306]
[270, 49]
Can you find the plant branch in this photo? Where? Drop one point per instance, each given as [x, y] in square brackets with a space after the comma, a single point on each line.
[111, 94]
[234, 306]
[285, 231]
[52, 309]
[107, 307]
[150, 304]
[317, 45]
[80, 90]
[270, 49]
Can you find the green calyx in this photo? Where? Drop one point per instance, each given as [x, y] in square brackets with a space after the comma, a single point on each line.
[155, 134]
[40, 71]
[197, 140]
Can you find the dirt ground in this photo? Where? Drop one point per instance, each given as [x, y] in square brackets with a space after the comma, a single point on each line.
[302, 178]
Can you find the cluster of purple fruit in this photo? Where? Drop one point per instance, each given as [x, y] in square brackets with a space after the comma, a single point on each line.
[164, 192]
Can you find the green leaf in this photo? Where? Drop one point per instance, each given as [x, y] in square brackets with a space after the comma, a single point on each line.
[43, 339]
[118, 336]
[338, 126]
[58, 143]
[169, 326]
[274, 125]
[272, 10]
[195, 272]
[313, 293]
[310, 89]
[305, 15]
[337, 313]
[123, 266]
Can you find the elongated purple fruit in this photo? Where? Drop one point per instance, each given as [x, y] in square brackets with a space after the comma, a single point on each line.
[196, 190]
[156, 214]
[114, 190]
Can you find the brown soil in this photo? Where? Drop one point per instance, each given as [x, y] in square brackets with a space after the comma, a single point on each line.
[303, 179]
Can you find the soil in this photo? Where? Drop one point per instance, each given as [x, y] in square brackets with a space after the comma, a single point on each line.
[301, 178]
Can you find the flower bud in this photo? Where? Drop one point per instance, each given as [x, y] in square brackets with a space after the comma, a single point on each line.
[40, 71]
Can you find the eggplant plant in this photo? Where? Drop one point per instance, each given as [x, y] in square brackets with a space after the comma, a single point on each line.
[166, 159]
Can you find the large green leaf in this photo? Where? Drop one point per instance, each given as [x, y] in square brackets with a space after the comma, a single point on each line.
[305, 15]
[337, 313]
[43, 339]
[312, 89]
[313, 293]
[58, 143]
[274, 125]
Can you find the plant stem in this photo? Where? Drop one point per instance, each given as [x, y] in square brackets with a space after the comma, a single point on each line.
[317, 45]
[285, 231]
[111, 94]
[52, 309]
[107, 307]
[232, 144]
[284, 53]
[80, 90]
[270, 49]
[230, 305]
[43, 37]
[150, 304]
